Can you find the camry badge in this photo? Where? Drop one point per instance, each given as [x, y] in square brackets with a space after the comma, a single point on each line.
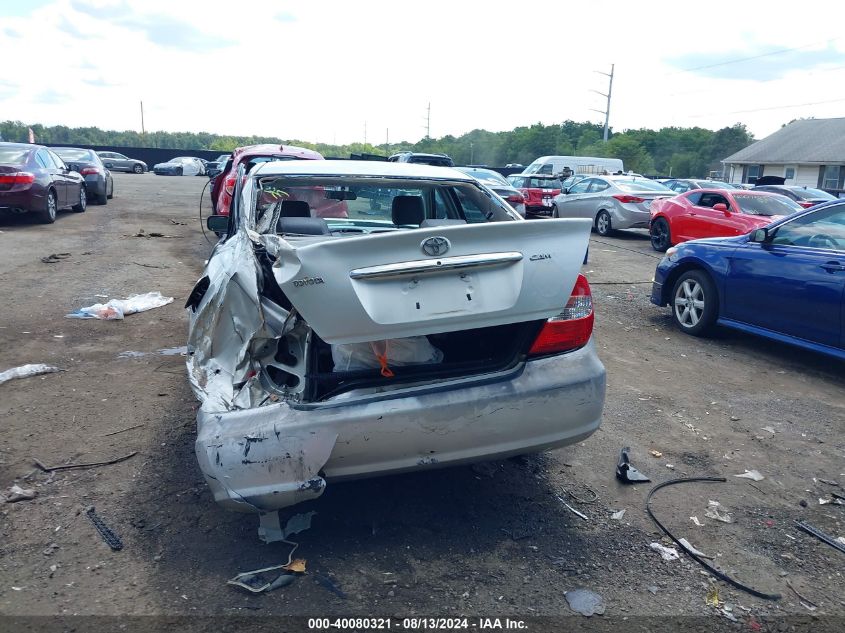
[435, 246]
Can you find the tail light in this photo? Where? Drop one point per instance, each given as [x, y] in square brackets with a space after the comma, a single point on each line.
[804, 203]
[629, 199]
[572, 328]
[516, 198]
[90, 171]
[17, 178]
[229, 185]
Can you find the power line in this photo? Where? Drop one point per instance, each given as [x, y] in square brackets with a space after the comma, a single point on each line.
[745, 59]
[780, 107]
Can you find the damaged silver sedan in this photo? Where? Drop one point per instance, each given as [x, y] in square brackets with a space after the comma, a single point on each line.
[367, 318]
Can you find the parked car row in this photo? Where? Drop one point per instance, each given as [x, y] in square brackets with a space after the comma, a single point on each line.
[42, 181]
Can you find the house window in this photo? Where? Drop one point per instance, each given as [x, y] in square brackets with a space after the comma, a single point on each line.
[789, 174]
[830, 177]
[754, 172]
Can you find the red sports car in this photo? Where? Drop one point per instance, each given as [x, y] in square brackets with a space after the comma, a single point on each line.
[538, 189]
[714, 213]
[223, 184]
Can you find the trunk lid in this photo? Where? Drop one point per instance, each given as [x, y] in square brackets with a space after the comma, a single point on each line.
[429, 280]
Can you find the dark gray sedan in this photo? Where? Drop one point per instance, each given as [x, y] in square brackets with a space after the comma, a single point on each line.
[118, 162]
[98, 181]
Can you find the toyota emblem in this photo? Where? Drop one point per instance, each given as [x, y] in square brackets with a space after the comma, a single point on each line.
[435, 246]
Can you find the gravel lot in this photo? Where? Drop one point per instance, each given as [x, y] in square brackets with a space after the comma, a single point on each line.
[491, 540]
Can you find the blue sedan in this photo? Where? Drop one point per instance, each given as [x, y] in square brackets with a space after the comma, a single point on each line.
[785, 282]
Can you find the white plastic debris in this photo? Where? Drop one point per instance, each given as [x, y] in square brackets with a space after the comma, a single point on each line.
[616, 516]
[696, 521]
[298, 523]
[16, 493]
[25, 371]
[768, 429]
[413, 350]
[824, 502]
[667, 553]
[751, 474]
[840, 539]
[716, 510]
[119, 308]
[689, 546]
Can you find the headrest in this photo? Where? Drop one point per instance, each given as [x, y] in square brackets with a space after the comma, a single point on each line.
[303, 226]
[295, 209]
[408, 210]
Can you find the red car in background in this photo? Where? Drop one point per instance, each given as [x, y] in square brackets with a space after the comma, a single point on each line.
[223, 184]
[539, 191]
[714, 213]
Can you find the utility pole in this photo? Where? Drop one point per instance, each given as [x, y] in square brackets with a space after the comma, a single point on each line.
[365, 132]
[471, 154]
[428, 121]
[606, 111]
[142, 118]
[387, 139]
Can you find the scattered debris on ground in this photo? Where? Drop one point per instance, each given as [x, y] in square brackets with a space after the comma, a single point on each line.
[55, 258]
[119, 308]
[16, 493]
[111, 539]
[585, 602]
[716, 510]
[625, 472]
[667, 553]
[25, 371]
[753, 475]
[48, 469]
[823, 537]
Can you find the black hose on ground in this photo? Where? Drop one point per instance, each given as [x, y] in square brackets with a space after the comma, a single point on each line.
[695, 557]
[202, 226]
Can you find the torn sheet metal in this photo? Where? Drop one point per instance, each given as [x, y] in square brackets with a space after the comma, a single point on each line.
[232, 329]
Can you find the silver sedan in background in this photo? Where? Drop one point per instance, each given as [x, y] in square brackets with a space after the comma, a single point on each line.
[611, 202]
[118, 162]
[498, 183]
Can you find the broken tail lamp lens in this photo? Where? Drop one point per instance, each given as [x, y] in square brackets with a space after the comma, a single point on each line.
[572, 328]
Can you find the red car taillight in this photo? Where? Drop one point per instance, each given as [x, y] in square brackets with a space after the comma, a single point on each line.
[627, 199]
[572, 328]
[17, 178]
[229, 185]
[516, 198]
[806, 203]
[88, 171]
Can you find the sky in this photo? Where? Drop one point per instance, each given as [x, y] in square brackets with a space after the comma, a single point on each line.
[336, 71]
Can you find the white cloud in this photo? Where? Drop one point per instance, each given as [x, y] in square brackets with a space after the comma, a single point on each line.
[319, 71]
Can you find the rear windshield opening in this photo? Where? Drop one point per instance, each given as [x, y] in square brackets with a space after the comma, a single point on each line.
[367, 202]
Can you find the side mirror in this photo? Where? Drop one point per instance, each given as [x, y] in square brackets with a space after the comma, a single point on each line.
[218, 223]
[721, 207]
[760, 235]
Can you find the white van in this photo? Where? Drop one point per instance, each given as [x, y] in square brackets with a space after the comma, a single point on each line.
[556, 165]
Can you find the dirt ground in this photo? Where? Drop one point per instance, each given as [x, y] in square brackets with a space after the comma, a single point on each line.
[489, 540]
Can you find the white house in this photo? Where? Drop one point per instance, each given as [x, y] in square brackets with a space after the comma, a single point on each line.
[810, 153]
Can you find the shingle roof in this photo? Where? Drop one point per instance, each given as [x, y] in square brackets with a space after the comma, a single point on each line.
[807, 141]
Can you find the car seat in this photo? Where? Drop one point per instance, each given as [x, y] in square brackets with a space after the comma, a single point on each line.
[295, 209]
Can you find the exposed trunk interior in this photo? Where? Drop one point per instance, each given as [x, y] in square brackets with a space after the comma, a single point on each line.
[465, 353]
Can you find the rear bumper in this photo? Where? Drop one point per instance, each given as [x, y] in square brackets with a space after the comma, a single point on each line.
[25, 200]
[95, 185]
[628, 218]
[263, 459]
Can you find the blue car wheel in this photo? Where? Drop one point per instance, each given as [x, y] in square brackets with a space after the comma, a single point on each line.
[695, 302]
